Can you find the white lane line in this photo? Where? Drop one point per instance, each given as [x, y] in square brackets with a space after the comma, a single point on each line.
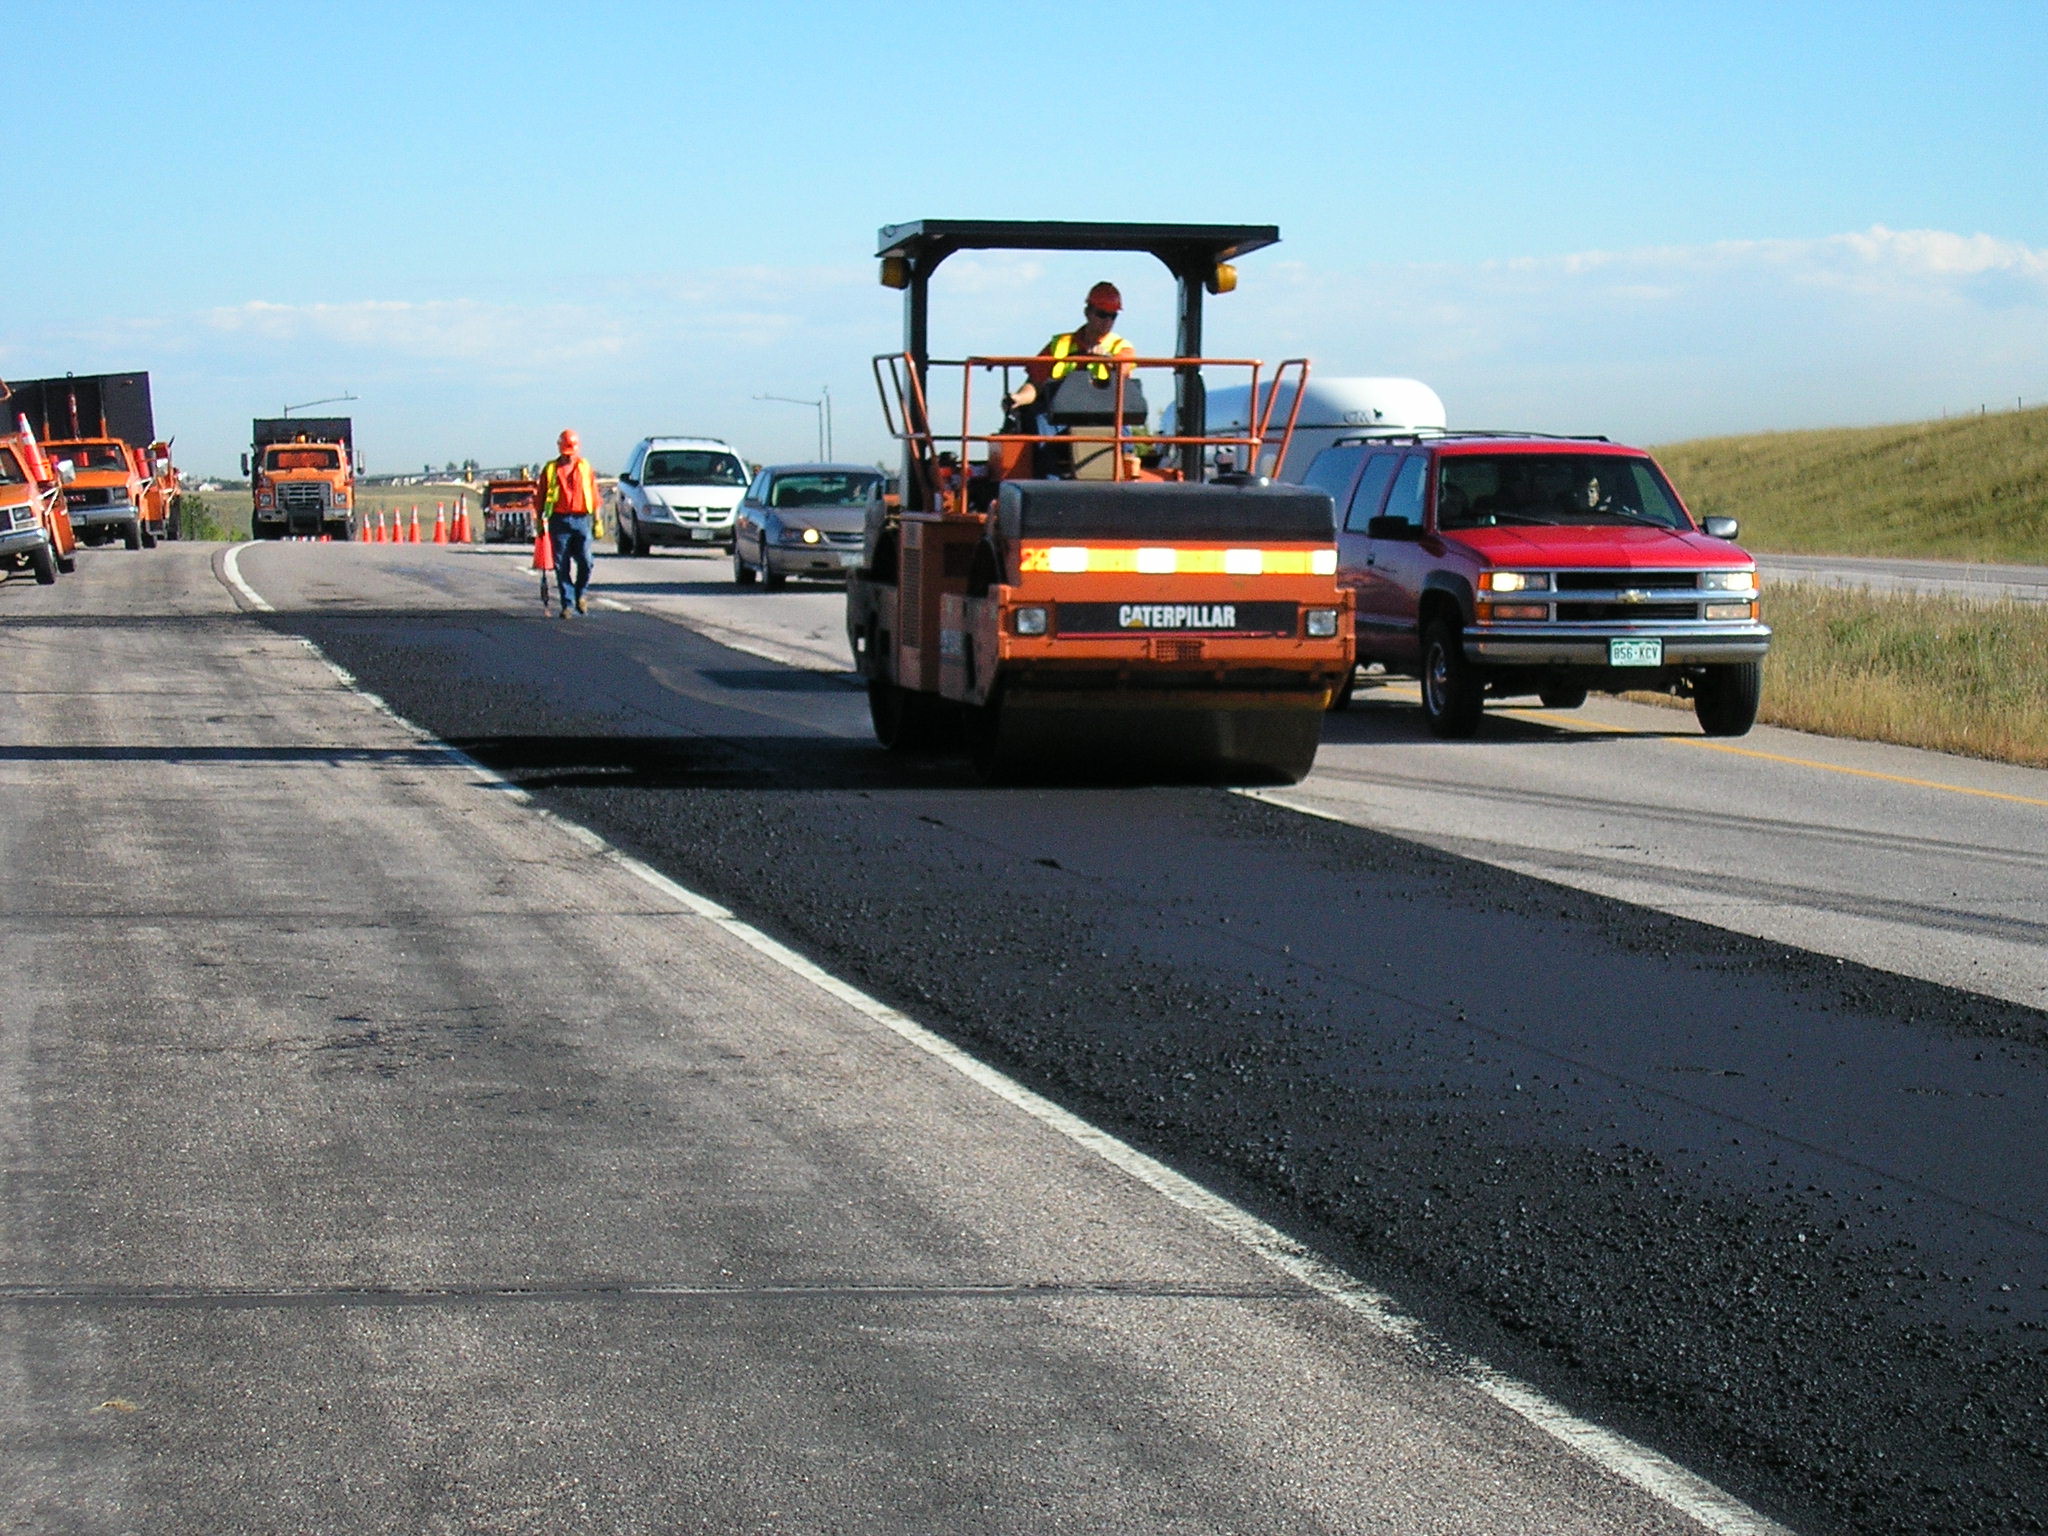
[1650, 1471]
[614, 604]
[231, 567]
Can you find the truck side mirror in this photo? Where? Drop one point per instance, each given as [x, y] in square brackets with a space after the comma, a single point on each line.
[66, 471]
[245, 466]
[1721, 528]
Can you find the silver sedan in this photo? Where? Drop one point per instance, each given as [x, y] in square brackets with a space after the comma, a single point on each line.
[802, 520]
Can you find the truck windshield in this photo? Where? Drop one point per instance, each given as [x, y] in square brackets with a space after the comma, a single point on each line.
[10, 469]
[302, 458]
[85, 456]
[692, 466]
[1482, 490]
[518, 496]
[821, 490]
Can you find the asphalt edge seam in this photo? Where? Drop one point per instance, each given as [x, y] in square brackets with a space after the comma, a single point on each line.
[1647, 1470]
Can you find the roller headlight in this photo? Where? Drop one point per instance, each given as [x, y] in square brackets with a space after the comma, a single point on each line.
[1320, 623]
[1031, 621]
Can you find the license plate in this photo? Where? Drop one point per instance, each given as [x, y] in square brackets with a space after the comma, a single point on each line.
[702, 535]
[1635, 653]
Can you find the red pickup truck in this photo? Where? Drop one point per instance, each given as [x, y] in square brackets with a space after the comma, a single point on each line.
[1494, 566]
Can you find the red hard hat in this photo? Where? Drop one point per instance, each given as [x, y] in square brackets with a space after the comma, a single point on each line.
[1105, 296]
[568, 442]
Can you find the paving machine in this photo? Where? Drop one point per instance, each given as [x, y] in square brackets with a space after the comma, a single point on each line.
[1074, 593]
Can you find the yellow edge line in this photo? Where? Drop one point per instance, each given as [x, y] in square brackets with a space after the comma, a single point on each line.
[1796, 762]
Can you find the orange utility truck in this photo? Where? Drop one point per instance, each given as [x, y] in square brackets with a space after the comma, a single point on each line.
[1079, 594]
[509, 509]
[302, 477]
[103, 425]
[35, 531]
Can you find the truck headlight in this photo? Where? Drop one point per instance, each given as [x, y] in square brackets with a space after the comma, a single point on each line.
[1727, 581]
[118, 496]
[1320, 623]
[263, 498]
[1514, 581]
[1031, 621]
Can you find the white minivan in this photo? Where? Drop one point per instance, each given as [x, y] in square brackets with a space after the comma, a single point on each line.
[677, 490]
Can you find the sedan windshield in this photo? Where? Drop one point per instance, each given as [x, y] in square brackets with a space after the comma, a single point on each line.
[692, 466]
[1482, 490]
[85, 456]
[822, 490]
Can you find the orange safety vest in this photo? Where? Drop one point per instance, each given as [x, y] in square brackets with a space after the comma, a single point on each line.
[578, 499]
[1062, 346]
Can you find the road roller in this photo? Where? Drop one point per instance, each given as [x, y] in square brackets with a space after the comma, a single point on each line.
[1079, 592]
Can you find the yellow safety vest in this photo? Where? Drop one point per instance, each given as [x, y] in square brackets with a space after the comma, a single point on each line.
[1063, 346]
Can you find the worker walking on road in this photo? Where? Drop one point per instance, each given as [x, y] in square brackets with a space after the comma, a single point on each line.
[568, 503]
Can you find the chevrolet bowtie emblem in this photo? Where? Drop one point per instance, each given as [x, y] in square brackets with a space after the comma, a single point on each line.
[1634, 595]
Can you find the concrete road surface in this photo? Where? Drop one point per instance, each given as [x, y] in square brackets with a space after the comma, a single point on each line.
[1771, 1210]
[375, 1155]
[1918, 578]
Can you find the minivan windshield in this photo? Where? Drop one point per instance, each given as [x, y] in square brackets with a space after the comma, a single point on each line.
[813, 489]
[1482, 490]
[691, 466]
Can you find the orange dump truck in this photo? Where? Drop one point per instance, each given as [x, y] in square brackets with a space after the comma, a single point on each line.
[103, 426]
[35, 530]
[509, 510]
[302, 477]
[1081, 594]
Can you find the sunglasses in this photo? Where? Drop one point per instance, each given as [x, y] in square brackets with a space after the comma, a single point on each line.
[1100, 314]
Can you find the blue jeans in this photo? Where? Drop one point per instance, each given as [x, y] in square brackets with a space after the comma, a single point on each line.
[572, 543]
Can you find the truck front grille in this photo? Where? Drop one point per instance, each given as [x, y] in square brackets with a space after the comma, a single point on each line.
[302, 496]
[1609, 613]
[1608, 581]
[87, 496]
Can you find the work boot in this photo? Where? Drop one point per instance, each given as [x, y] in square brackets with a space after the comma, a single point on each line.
[579, 604]
[564, 612]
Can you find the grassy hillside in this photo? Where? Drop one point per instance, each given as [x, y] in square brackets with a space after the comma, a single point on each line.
[1971, 488]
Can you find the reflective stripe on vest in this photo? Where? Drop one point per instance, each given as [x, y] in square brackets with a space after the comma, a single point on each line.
[1063, 346]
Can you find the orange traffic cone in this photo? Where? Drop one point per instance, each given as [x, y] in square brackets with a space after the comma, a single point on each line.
[440, 525]
[412, 533]
[326, 538]
[543, 552]
[462, 522]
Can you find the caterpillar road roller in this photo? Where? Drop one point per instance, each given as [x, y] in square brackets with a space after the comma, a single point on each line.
[1076, 594]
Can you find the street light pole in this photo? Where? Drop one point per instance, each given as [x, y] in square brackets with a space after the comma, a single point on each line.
[823, 406]
[307, 405]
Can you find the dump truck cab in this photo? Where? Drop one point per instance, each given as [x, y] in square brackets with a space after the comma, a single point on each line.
[106, 492]
[1080, 593]
[301, 477]
[509, 510]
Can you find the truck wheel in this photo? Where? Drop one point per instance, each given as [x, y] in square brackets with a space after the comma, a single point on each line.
[131, 535]
[1340, 697]
[66, 564]
[43, 561]
[1559, 696]
[742, 573]
[1452, 693]
[1725, 698]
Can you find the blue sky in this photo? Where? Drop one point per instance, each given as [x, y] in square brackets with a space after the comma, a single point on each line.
[488, 220]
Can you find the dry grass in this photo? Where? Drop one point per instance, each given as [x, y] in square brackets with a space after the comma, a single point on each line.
[1969, 488]
[230, 509]
[1940, 673]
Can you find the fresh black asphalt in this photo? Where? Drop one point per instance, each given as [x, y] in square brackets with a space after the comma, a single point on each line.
[1641, 1161]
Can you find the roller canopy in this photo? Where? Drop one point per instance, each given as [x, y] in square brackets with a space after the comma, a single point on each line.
[1072, 509]
[930, 241]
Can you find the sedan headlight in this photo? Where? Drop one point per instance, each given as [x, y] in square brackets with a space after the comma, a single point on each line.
[812, 536]
[1031, 621]
[1727, 581]
[1320, 623]
[1514, 581]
